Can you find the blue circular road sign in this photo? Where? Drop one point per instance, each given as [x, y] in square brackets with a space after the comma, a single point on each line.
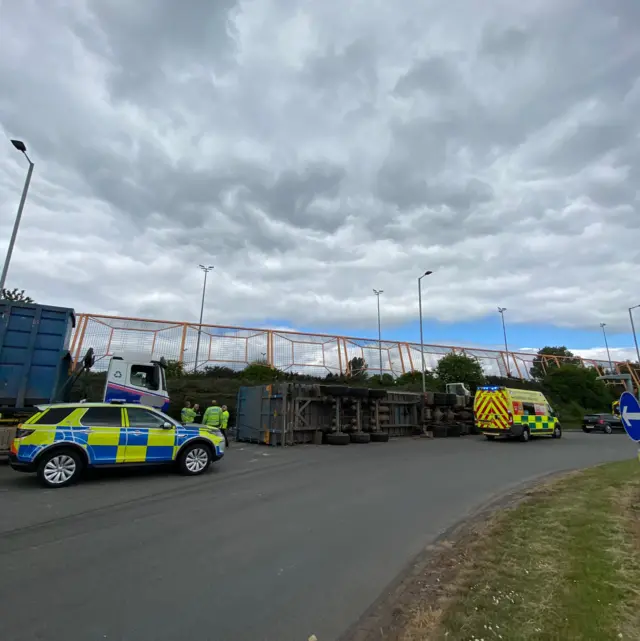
[630, 415]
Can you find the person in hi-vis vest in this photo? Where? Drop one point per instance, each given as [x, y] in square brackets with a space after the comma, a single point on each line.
[225, 424]
[213, 415]
[187, 414]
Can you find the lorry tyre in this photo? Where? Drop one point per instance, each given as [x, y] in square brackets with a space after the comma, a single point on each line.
[60, 467]
[360, 437]
[607, 429]
[194, 459]
[557, 432]
[524, 437]
[338, 438]
[379, 437]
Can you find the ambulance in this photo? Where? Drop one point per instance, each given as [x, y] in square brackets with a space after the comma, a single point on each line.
[514, 413]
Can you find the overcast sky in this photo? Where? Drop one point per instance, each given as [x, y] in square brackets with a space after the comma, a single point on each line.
[314, 150]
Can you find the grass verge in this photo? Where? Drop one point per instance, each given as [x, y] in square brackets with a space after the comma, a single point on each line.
[562, 565]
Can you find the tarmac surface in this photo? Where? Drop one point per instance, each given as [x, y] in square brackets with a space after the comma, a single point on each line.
[270, 545]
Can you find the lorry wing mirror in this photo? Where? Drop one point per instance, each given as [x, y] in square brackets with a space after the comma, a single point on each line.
[89, 358]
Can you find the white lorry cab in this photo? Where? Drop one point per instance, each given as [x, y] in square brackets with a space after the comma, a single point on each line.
[133, 378]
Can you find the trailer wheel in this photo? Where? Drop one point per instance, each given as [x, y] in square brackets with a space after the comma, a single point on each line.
[360, 437]
[338, 438]
[379, 437]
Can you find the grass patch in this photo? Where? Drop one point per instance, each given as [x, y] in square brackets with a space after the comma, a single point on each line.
[563, 565]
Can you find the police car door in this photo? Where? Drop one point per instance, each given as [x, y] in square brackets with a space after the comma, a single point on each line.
[147, 440]
[105, 436]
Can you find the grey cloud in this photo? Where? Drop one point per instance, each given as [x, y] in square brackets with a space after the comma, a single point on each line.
[504, 43]
[355, 66]
[433, 74]
[291, 195]
[312, 153]
[147, 38]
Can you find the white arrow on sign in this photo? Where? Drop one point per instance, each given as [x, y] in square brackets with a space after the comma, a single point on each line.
[628, 416]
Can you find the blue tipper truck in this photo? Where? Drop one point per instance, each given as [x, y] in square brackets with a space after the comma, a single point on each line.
[36, 367]
[35, 362]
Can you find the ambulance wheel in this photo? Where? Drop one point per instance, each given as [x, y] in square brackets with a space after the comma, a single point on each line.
[524, 437]
[379, 437]
[194, 459]
[338, 438]
[59, 467]
[557, 432]
[490, 437]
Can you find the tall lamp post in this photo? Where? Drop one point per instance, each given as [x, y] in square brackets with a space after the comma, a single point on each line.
[501, 311]
[206, 269]
[377, 292]
[606, 344]
[424, 380]
[633, 329]
[21, 147]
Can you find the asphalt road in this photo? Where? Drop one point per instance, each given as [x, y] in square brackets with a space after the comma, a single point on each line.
[271, 545]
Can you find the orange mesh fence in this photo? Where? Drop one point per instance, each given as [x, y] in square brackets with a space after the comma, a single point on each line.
[314, 354]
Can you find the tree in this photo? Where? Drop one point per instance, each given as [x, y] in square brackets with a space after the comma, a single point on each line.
[458, 368]
[574, 384]
[413, 381]
[15, 296]
[357, 367]
[549, 357]
[261, 374]
[386, 380]
[218, 371]
[174, 369]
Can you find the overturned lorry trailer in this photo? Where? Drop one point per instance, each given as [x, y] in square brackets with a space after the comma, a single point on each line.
[297, 413]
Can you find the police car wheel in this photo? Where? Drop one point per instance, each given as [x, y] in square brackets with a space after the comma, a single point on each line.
[195, 459]
[59, 468]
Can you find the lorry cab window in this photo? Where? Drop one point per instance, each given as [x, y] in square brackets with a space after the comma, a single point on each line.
[144, 376]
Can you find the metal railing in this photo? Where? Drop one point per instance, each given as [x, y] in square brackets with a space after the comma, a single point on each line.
[289, 351]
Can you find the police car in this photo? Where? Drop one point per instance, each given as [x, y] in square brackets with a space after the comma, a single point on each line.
[61, 440]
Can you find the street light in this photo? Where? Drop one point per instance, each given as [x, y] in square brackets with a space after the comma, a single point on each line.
[424, 380]
[21, 147]
[606, 343]
[633, 329]
[206, 269]
[501, 311]
[377, 292]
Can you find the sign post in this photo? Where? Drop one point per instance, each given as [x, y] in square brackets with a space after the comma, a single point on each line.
[630, 416]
